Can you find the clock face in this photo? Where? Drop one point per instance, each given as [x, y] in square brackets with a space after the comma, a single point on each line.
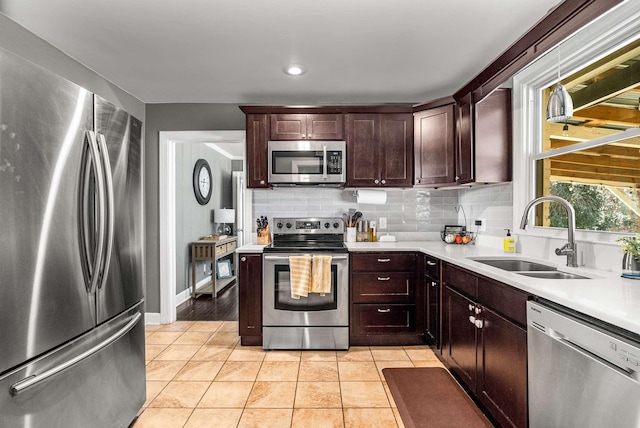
[202, 181]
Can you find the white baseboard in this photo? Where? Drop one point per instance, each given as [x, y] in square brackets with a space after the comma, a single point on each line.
[185, 295]
[152, 318]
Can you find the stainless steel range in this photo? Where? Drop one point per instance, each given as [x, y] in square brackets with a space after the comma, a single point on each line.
[319, 321]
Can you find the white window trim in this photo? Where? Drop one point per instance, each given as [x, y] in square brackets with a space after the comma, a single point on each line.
[602, 37]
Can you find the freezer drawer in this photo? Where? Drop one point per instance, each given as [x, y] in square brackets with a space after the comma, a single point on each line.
[105, 389]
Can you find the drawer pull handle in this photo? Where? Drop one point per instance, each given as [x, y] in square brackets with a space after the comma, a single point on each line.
[384, 260]
[472, 319]
[384, 311]
[386, 278]
[430, 263]
[478, 324]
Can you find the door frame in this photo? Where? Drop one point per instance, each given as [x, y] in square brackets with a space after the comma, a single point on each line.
[167, 201]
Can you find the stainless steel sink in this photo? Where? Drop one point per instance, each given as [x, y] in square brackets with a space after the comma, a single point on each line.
[552, 275]
[515, 265]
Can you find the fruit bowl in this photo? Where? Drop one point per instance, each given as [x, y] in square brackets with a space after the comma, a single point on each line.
[460, 238]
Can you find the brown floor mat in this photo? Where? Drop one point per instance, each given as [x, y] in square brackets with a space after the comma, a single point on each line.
[430, 397]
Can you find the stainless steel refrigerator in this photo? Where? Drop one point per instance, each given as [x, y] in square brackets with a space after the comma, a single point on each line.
[71, 240]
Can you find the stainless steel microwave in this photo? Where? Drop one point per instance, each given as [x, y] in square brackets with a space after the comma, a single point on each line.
[307, 162]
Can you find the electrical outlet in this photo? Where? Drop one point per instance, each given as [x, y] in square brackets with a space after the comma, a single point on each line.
[481, 224]
[382, 223]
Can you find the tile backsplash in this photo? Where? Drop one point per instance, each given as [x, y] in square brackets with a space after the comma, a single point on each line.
[412, 214]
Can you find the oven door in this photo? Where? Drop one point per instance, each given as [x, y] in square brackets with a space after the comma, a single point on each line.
[280, 309]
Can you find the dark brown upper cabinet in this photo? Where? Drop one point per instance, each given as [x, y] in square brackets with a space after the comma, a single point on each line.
[379, 149]
[484, 138]
[434, 132]
[257, 150]
[300, 126]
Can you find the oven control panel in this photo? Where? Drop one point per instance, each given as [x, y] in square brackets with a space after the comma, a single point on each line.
[308, 225]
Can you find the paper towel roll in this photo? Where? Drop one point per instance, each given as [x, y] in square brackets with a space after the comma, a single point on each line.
[375, 197]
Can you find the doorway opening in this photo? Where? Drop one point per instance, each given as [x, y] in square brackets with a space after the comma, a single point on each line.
[226, 143]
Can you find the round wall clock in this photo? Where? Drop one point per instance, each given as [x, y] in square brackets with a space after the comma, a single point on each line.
[202, 181]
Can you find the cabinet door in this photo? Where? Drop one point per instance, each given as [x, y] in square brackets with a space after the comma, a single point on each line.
[289, 126]
[363, 150]
[257, 151]
[323, 126]
[396, 150]
[434, 146]
[461, 336]
[492, 137]
[502, 369]
[465, 152]
[250, 299]
[433, 310]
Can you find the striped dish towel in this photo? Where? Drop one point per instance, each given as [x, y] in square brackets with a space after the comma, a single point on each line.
[300, 275]
[321, 275]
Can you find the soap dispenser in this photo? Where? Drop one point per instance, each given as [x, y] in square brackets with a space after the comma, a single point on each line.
[509, 243]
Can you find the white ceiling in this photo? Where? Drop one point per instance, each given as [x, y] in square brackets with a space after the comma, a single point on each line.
[234, 51]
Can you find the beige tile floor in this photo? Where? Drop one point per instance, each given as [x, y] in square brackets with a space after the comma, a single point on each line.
[198, 375]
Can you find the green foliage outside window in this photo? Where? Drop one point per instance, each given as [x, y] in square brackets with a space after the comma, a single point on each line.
[596, 208]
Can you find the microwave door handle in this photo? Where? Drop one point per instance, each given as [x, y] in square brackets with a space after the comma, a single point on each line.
[324, 164]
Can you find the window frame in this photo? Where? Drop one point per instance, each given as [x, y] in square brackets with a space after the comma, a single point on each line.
[605, 35]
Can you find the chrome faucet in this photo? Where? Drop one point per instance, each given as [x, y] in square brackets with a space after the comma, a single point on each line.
[569, 249]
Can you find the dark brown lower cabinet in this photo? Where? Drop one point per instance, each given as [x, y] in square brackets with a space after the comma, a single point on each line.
[250, 299]
[502, 368]
[387, 306]
[484, 342]
[461, 336]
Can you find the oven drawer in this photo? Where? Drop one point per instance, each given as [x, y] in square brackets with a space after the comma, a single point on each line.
[383, 319]
[383, 262]
[383, 287]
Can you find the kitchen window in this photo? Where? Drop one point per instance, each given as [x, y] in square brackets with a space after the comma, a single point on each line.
[581, 160]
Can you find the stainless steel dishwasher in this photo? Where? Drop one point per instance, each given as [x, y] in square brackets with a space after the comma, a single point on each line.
[581, 373]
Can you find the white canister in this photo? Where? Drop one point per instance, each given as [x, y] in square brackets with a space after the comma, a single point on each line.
[351, 234]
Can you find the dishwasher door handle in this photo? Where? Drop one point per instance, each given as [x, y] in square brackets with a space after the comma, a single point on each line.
[632, 375]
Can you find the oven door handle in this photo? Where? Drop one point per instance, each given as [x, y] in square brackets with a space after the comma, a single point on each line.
[287, 258]
[324, 164]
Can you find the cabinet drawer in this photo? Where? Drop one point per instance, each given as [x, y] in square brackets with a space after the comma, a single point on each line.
[432, 267]
[383, 262]
[460, 280]
[389, 287]
[368, 319]
[503, 299]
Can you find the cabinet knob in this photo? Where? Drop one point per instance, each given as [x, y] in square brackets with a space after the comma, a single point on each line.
[478, 323]
[433, 283]
[261, 181]
[471, 307]
[478, 311]
[457, 177]
[384, 311]
[243, 259]
[472, 319]
[384, 182]
[376, 181]
[430, 263]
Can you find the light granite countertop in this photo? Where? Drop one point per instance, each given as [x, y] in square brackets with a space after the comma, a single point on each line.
[604, 295]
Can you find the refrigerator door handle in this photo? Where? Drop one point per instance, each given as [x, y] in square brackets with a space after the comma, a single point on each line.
[110, 210]
[33, 380]
[94, 272]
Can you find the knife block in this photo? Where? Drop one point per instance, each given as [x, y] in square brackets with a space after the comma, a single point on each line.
[264, 236]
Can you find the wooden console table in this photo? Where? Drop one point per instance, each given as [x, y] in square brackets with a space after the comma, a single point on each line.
[205, 249]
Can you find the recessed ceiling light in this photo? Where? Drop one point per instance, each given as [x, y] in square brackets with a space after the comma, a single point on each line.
[294, 70]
